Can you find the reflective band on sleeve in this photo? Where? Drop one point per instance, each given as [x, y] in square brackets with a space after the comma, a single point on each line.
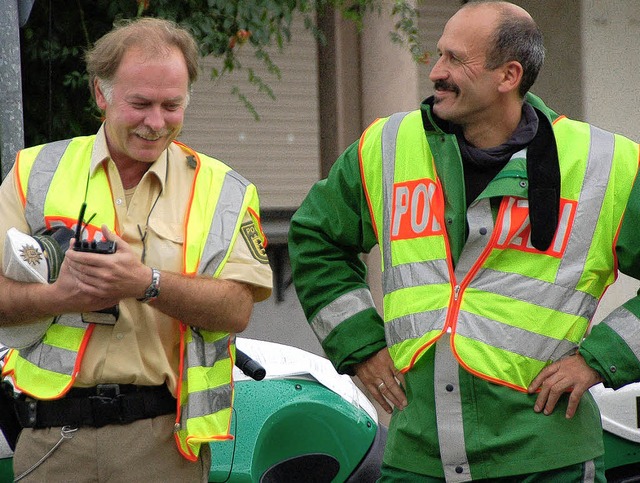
[342, 308]
[627, 326]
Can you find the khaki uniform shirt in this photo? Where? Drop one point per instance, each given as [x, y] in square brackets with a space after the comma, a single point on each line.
[143, 347]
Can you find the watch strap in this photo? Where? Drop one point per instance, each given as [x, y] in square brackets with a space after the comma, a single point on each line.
[153, 290]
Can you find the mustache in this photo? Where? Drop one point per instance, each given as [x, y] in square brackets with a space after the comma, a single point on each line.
[150, 133]
[442, 85]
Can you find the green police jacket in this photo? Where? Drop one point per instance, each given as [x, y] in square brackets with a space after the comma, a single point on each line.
[329, 232]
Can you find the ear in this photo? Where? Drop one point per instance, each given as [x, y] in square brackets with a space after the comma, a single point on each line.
[511, 76]
[100, 99]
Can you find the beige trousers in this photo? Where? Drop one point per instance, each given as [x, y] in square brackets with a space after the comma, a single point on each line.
[144, 450]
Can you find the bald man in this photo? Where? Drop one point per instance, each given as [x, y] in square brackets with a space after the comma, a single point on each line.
[499, 229]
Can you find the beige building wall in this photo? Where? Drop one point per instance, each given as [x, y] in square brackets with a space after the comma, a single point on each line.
[279, 152]
[610, 32]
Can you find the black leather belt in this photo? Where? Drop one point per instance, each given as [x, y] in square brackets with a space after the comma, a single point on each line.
[97, 406]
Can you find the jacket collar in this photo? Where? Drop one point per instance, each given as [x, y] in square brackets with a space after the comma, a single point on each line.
[543, 169]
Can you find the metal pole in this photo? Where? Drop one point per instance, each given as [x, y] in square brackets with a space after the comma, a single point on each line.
[11, 119]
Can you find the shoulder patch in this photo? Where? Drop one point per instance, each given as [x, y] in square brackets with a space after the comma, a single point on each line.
[254, 242]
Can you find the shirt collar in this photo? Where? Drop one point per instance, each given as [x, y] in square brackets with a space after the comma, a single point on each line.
[101, 154]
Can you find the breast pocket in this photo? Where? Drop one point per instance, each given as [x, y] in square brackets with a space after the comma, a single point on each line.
[163, 245]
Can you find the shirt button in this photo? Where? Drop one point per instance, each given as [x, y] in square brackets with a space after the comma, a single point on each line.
[483, 231]
[449, 387]
[118, 201]
[459, 469]
[449, 221]
[119, 336]
[523, 184]
[613, 369]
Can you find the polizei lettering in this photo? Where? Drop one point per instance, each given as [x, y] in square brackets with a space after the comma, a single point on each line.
[515, 227]
[416, 205]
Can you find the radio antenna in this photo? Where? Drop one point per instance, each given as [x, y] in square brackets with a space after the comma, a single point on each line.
[79, 227]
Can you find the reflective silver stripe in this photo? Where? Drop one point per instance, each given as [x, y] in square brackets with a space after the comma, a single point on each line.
[535, 291]
[589, 472]
[415, 274]
[206, 354]
[204, 403]
[48, 357]
[52, 358]
[595, 183]
[480, 220]
[513, 339]
[627, 326]
[342, 308]
[413, 326]
[389, 138]
[40, 176]
[223, 224]
[449, 414]
[55, 359]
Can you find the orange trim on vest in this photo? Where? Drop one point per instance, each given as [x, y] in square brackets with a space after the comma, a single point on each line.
[183, 328]
[364, 182]
[76, 367]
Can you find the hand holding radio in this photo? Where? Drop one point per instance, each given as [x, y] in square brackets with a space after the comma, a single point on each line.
[109, 315]
[80, 245]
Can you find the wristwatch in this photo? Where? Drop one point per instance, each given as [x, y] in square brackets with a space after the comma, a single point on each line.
[153, 290]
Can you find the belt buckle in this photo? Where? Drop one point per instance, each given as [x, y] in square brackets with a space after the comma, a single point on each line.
[106, 405]
[108, 390]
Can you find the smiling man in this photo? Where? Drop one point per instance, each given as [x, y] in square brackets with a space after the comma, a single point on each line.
[500, 225]
[137, 395]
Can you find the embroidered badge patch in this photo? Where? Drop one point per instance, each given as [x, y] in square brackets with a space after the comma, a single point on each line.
[254, 242]
[31, 255]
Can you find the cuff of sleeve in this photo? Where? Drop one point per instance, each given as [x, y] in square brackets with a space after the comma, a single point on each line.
[355, 340]
[608, 354]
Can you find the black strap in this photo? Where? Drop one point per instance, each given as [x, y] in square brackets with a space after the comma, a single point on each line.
[9, 424]
[97, 406]
[543, 171]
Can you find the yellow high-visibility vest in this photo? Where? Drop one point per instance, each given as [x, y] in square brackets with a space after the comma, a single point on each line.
[510, 308]
[52, 182]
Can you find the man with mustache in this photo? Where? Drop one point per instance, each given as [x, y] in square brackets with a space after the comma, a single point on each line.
[500, 225]
[137, 394]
